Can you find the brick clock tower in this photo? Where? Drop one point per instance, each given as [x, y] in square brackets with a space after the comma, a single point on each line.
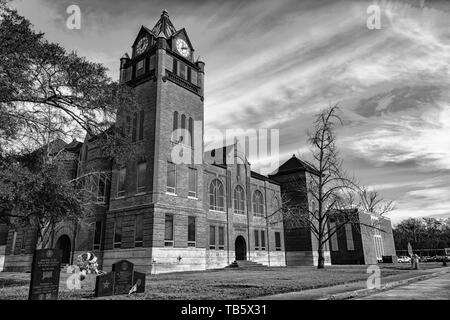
[156, 216]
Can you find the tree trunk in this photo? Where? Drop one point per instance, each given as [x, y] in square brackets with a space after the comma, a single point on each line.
[321, 258]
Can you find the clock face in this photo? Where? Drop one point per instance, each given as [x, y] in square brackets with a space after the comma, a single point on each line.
[142, 45]
[183, 48]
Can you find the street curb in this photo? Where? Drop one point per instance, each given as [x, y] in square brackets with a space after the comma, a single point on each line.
[364, 292]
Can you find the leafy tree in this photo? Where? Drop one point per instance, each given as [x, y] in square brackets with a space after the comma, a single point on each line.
[47, 94]
[422, 233]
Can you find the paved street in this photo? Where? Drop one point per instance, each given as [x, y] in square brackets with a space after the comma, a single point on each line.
[437, 288]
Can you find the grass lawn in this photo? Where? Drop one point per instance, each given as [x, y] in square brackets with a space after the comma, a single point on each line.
[218, 284]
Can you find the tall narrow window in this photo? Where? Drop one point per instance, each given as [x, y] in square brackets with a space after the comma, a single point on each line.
[189, 74]
[141, 124]
[334, 239]
[175, 126]
[192, 183]
[263, 240]
[183, 70]
[139, 231]
[191, 231]
[168, 234]
[175, 120]
[128, 126]
[256, 239]
[97, 236]
[141, 172]
[239, 200]
[183, 129]
[212, 237]
[101, 188]
[23, 243]
[121, 182]
[191, 132]
[349, 237]
[118, 233]
[171, 177]
[134, 129]
[221, 238]
[175, 66]
[216, 196]
[258, 203]
[152, 63]
[277, 241]
[139, 68]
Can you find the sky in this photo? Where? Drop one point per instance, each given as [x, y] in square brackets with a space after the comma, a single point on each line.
[275, 64]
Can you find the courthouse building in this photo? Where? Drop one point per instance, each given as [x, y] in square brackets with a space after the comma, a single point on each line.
[164, 216]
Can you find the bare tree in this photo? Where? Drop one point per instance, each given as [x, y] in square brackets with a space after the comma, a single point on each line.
[372, 202]
[319, 200]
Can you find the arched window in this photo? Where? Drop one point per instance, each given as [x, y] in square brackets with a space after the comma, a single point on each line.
[239, 200]
[258, 203]
[216, 196]
[191, 131]
[183, 128]
[276, 206]
[175, 120]
[175, 125]
[277, 214]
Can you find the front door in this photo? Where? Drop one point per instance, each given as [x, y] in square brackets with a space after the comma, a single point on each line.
[240, 248]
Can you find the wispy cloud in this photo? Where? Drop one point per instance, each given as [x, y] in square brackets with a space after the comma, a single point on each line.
[274, 64]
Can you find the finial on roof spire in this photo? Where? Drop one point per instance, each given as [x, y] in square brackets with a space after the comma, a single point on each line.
[164, 28]
[293, 156]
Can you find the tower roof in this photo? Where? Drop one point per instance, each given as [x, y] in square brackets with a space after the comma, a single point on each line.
[294, 164]
[164, 26]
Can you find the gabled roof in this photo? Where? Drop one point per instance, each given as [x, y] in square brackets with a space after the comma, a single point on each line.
[74, 146]
[183, 31]
[143, 30]
[292, 165]
[164, 26]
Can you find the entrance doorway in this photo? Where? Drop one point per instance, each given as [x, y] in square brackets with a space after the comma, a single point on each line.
[63, 244]
[240, 248]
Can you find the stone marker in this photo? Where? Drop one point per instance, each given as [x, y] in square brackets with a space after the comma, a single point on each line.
[120, 280]
[45, 270]
[123, 276]
[104, 285]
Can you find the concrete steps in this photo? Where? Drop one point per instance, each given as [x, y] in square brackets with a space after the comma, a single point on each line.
[245, 265]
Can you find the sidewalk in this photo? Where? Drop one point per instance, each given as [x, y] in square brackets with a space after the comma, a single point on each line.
[357, 289]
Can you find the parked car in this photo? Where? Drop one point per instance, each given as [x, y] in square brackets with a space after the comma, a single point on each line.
[404, 259]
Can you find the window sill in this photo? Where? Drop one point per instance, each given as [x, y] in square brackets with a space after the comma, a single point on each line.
[171, 194]
[192, 198]
[216, 211]
[118, 198]
[141, 193]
